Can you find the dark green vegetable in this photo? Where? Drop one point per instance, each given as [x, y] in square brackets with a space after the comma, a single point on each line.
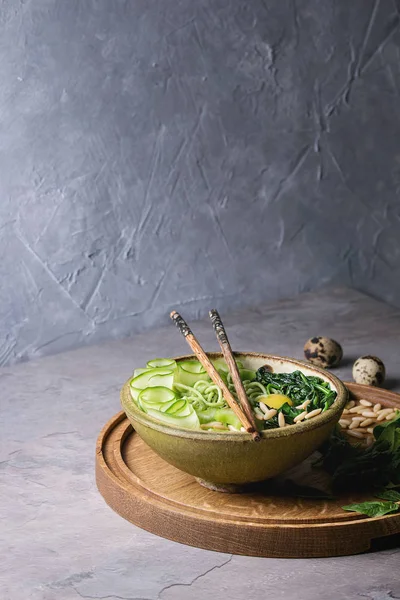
[389, 432]
[373, 509]
[391, 495]
[289, 412]
[298, 387]
[356, 468]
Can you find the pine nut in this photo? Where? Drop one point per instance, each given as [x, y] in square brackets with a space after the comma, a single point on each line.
[382, 414]
[370, 440]
[370, 429]
[365, 403]
[304, 405]
[391, 416]
[269, 414]
[354, 424]
[264, 407]
[355, 434]
[313, 413]
[300, 417]
[369, 414]
[377, 407]
[281, 420]
[350, 404]
[358, 419]
[357, 409]
[346, 412]
[213, 425]
[344, 423]
[367, 422]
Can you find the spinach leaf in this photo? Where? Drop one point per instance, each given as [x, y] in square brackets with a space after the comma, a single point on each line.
[356, 468]
[289, 412]
[373, 509]
[391, 495]
[389, 432]
[298, 387]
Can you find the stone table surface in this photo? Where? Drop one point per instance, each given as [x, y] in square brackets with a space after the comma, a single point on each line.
[58, 538]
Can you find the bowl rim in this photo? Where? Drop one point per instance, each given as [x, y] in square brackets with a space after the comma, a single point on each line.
[136, 414]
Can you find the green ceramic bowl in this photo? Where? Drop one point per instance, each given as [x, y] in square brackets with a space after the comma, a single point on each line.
[225, 460]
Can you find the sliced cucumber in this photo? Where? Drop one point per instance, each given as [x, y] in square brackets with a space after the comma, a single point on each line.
[137, 372]
[247, 374]
[189, 420]
[223, 415]
[190, 371]
[162, 363]
[220, 364]
[157, 397]
[179, 407]
[151, 378]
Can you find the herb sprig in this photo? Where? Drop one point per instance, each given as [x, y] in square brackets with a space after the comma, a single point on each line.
[373, 509]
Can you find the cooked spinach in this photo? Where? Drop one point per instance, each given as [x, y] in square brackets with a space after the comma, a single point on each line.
[298, 387]
[373, 509]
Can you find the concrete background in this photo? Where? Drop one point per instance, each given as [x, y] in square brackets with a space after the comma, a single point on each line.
[171, 153]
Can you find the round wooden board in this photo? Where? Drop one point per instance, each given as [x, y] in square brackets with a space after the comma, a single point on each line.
[147, 491]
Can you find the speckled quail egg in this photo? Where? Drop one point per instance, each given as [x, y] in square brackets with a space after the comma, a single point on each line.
[323, 352]
[369, 370]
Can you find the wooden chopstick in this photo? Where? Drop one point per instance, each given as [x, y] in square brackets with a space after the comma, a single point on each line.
[232, 366]
[213, 373]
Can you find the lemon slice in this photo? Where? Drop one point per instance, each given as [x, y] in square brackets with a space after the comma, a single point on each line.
[275, 400]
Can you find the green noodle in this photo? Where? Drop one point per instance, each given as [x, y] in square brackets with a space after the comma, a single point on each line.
[205, 394]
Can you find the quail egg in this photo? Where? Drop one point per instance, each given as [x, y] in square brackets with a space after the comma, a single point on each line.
[369, 370]
[323, 352]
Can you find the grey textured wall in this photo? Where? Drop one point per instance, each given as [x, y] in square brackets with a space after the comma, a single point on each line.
[180, 153]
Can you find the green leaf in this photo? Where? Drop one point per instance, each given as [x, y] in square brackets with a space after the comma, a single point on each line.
[373, 509]
[391, 495]
[389, 432]
[357, 468]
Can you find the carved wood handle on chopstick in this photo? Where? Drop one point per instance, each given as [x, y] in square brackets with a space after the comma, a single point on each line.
[214, 375]
[223, 341]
